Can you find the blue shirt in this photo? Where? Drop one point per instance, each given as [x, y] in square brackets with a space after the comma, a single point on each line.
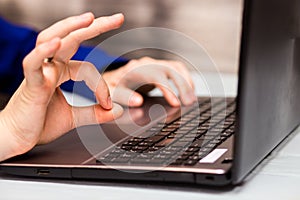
[17, 41]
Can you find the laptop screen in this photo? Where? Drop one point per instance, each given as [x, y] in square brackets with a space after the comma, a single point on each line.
[269, 79]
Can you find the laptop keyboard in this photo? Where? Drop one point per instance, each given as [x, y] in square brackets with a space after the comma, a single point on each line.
[184, 141]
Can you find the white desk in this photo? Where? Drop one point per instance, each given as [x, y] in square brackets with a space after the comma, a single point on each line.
[278, 178]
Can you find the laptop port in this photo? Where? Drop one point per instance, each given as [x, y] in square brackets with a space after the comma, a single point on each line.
[227, 160]
[43, 172]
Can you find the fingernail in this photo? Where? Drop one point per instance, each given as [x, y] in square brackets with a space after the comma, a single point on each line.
[193, 96]
[117, 16]
[190, 98]
[176, 102]
[135, 101]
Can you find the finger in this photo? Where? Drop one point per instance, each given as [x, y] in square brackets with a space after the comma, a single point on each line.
[65, 27]
[33, 62]
[87, 72]
[163, 84]
[186, 92]
[160, 80]
[127, 97]
[100, 25]
[182, 70]
[95, 114]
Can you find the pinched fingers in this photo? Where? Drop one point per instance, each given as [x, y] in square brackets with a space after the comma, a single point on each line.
[95, 114]
[87, 72]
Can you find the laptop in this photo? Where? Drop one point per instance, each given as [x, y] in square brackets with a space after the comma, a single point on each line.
[216, 141]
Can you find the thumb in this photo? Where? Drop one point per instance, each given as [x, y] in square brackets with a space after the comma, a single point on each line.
[127, 97]
[95, 114]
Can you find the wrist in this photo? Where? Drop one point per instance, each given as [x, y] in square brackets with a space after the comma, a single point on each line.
[9, 147]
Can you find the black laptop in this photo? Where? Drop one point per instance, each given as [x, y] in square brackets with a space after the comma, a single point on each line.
[216, 141]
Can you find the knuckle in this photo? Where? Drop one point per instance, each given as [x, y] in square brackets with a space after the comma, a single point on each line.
[25, 63]
[132, 63]
[41, 37]
[39, 50]
[89, 67]
[75, 39]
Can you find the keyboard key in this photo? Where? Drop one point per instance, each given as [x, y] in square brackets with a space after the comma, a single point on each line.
[154, 139]
[186, 140]
[190, 162]
[164, 143]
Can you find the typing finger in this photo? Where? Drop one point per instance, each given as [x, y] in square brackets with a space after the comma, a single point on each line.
[186, 92]
[162, 83]
[183, 71]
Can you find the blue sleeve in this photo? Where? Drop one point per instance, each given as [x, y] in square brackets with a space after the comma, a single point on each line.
[17, 41]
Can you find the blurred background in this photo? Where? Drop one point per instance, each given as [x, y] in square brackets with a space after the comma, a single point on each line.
[215, 24]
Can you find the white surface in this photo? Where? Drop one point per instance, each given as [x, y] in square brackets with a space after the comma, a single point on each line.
[278, 178]
[201, 80]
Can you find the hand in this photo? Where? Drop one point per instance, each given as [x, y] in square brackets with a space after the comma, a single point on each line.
[145, 74]
[38, 113]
